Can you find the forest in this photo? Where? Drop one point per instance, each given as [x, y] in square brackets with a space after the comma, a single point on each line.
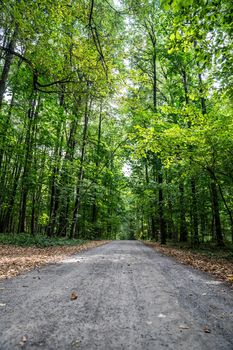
[116, 119]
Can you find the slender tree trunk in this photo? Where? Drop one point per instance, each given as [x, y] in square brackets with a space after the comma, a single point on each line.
[97, 163]
[6, 219]
[33, 204]
[203, 225]
[194, 228]
[215, 206]
[185, 85]
[54, 196]
[39, 194]
[155, 79]
[65, 191]
[227, 207]
[80, 173]
[5, 129]
[151, 221]
[7, 66]
[183, 224]
[195, 237]
[162, 224]
[32, 114]
[217, 220]
[203, 102]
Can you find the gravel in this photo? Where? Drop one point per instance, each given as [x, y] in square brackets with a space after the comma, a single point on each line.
[122, 295]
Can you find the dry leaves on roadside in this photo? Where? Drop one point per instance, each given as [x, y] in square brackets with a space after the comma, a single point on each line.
[220, 268]
[14, 260]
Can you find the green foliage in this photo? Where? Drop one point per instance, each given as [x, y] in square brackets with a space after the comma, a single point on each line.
[27, 240]
[86, 91]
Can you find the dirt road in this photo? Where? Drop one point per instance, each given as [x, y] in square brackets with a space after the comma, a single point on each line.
[128, 297]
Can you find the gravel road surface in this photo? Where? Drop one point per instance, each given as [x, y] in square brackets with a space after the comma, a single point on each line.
[128, 297]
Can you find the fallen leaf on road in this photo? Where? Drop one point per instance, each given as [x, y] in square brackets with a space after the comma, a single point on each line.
[230, 278]
[76, 343]
[149, 323]
[23, 340]
[183, 326]
[206, 329]
[73, 295]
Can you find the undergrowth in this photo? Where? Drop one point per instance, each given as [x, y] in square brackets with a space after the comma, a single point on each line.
[26, 240]
[208, 249]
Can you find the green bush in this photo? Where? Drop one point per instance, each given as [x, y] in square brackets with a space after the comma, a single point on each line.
[26, 240]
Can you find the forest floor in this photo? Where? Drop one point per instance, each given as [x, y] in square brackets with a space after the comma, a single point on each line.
[15, 259]
[217, 262]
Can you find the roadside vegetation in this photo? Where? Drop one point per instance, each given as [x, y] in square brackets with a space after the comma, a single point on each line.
[207, 257]
[16, 259]
[27, 240]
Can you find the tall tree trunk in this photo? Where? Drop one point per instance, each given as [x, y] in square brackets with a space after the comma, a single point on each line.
[195, 237]
[32, 114]
[194, 228]
[183, 224]
[5, 129]
[203, 102]
[185, 85]
[33, 204]
[65, 192]
[217, 220]
[214, 185]
[6, 218]
[80, 173]
[226, 206]
[162, 224]
[54, 194]
[97, 163]
[151, 222]
[7, 65]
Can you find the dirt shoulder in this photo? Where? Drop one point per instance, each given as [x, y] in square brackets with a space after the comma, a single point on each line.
[14, 259]
[218, 267]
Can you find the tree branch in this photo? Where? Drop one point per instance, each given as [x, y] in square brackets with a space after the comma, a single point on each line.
[36, 84]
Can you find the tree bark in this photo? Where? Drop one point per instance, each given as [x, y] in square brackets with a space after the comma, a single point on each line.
[73, 230]
[7, 66]
[195, 237]
[183, 224]
[97, 163]
[32, 115]
[217, 220]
